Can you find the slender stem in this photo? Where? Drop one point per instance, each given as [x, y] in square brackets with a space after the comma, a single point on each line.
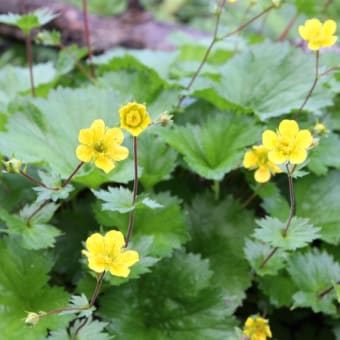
[206, 54]
[134, 194]
[78, 64]
[327, 290]
[87, 36]
[247, 23]
[83, 324]
[216, 189]
[291, 213]
[285, 32]
[35, 181]
[331, 69]
[92, 301]
[310, 92]
[252, 196]
[41, 206]
[68, 179]
[30, 61]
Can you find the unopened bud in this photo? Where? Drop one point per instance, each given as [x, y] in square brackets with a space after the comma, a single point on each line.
[320, 129]
[165, 119]
[277, 3]
[12, 166]
[32, 319]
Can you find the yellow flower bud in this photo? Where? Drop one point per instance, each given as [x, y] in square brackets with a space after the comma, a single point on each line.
[12, 166]
[32, 319]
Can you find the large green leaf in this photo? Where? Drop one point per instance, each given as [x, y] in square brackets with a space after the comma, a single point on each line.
[313, 272]
[299, 234]
[166, 225]
[176, 301]
[218, 231]
[269, 79]
[24, 287]
[48, 132]
[217, 146]
[317, 198]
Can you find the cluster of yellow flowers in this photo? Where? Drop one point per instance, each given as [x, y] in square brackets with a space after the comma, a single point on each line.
[288, 144]
[257, 328]
[102, 145]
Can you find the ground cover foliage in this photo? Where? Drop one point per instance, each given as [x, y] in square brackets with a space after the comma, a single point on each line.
[203, 227]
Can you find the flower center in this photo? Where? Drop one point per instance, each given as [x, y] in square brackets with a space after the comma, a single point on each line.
[285, 145]
[133, 118]
[99, 147]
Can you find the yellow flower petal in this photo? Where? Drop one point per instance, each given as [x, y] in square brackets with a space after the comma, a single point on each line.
[114, 241]
[303, 139]
[298, 156]
[84, 153]
[128, 258]
[97, 264]
[329, 27]
[95, 243]
[120, 271]
[277, 157]
[269, 139]
[288, 128]
[104, 163]
[114, 135]
[98, 129]
[262, 175]
[250, 159]
[118, 153]
[85, 136]
[303, 32]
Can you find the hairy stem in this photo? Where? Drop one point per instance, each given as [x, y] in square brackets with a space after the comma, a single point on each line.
[30, 61]
[315, 81]
[134, 194]
[87, 37]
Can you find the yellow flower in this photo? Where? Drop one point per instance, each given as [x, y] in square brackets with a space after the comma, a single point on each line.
[257, 328]
[317, 34]
[101, 145]
[134, 118]
[288, 144]
[232, 0]
[107, 253]
[257, 158]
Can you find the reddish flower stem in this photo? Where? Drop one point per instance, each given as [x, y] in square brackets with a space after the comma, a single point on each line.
[327, 290]
[41, 206]
[35, 181]
[30, 61]
[87, 36]
[285, 32]
[134, 194]
[252, 196]
[310, 92]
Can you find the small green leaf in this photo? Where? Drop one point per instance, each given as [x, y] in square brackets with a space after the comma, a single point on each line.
[299, 234]
[336, 287]
[256, 252]
[217, 146]
[312, 273]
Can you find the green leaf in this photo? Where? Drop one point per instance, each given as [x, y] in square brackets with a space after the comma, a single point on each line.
[28, 21]
[37, 235]
[299, 234]
[217, 146]
[312, 273]
[259, 80]
[120, 199]
[321, 205]
[325, 155]
[309, 7]
[176, 301]
[68, 58]
[14, 80]
[256, 252]
[278, 289]
[156, 158]
[218, 231]
[167, 225]
[49, 133]
[24, 287]
[336, 287]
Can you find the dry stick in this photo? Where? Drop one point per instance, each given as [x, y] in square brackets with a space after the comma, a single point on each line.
[134, 194]
[30, 61]
[290, 217]
[327, 290]
[87, 36]
[316, 78]
[285, 32]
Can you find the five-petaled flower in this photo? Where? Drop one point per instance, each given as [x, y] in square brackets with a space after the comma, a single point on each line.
[101, 145]
[257, 158]
[257, 328]
[318, 35]
[134, 118]
[288, 144]
[107, 253]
